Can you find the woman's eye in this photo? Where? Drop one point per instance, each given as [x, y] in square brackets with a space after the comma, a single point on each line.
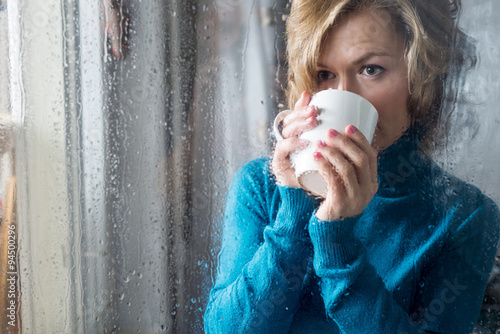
[325, 75]
[372, 70]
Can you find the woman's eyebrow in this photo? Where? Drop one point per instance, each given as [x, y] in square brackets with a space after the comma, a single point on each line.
[363, 58]
[369, 55]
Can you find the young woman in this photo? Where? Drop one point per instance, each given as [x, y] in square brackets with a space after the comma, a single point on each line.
[397, 245]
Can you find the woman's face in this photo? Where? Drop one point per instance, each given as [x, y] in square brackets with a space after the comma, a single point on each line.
[364, 54]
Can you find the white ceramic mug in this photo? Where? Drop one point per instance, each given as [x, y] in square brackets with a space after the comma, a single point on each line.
[337, 110]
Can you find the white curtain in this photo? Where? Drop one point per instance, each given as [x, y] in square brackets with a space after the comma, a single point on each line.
[122, 165]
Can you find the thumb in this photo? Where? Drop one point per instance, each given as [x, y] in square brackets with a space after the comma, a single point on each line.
[304, 100]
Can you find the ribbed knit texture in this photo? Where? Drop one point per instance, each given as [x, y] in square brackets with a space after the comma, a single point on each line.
[288, 221]
[416, 260]
[334, 242]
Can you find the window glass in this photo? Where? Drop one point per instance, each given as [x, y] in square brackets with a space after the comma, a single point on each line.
[123, 125]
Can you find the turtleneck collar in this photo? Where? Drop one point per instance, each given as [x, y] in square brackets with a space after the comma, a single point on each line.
[400, 166]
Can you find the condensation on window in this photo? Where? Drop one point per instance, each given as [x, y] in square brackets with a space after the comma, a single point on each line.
[121, 126]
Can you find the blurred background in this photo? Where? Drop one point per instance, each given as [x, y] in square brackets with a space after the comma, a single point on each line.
[115, 161]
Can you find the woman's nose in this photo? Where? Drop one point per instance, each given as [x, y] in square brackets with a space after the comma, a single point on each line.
[344, 84]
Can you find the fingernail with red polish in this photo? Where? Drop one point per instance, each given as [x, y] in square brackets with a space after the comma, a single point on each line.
[332, 133]
[317, 155]
[321, 144]
[352, 129]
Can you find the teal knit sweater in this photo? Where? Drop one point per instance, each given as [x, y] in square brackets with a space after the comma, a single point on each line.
[416, 261]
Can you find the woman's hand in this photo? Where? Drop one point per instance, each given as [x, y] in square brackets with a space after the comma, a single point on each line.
[348, 164]
[303, 118]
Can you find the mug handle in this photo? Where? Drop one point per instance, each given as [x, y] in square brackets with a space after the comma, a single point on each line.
[278, 124]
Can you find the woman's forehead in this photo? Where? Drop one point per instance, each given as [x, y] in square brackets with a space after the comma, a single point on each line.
[363, 29]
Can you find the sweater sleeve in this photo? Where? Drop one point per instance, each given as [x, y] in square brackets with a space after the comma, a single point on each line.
[447, 298]
[257, 289]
